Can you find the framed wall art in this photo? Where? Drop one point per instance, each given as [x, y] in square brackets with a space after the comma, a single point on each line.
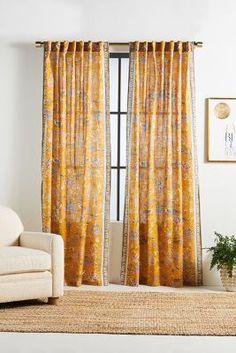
[221, 129]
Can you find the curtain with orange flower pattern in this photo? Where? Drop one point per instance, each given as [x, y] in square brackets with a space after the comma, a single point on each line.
[161, 241]
[76, 156]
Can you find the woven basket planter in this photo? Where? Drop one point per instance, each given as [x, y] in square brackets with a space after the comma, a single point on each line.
[229, 283]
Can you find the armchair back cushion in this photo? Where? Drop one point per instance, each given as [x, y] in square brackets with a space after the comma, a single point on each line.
[11, 227]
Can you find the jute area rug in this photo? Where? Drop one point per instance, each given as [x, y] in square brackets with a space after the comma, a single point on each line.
[125, 313]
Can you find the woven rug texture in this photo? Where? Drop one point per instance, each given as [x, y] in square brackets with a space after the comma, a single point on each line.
[146, 313]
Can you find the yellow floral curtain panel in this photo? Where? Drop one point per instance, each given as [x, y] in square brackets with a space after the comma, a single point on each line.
[76, 156]
[161, 240]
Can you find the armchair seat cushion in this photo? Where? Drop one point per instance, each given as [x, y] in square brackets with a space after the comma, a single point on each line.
[18, 259]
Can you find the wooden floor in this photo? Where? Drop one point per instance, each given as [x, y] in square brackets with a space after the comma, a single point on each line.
[71, 343]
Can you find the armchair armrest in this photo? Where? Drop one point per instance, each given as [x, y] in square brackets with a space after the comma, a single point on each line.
[52, 244]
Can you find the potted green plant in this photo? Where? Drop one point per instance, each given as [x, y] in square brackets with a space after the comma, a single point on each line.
[224, 258]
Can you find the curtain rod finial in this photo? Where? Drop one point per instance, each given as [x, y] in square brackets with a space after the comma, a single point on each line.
[39, 44]
[198, 44]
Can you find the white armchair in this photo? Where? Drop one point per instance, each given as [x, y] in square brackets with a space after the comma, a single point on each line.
[31, 263]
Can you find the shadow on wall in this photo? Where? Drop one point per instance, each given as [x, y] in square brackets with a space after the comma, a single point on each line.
[210, 278]
[26, 162]
[205, 151]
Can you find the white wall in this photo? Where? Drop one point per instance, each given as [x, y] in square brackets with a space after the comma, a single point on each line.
[24, 21]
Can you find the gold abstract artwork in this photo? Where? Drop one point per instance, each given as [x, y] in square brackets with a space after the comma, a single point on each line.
[221, 114]
[222, 110]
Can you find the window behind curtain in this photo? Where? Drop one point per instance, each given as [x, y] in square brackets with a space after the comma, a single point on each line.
[119, 72]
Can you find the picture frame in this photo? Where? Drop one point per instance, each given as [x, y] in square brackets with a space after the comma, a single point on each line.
[221, 116]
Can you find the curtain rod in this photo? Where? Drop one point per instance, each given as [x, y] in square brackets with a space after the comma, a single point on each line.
[40, 44]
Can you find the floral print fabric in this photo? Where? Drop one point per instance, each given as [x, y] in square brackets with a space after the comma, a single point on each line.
[161, 243]
[76, 156]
